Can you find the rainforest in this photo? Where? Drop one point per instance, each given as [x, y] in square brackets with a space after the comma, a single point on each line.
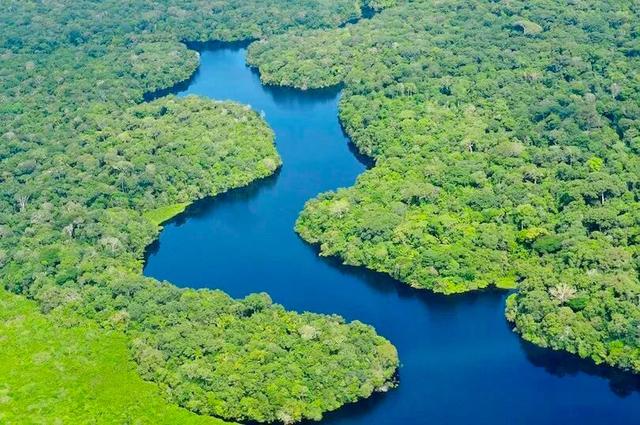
[468, 171]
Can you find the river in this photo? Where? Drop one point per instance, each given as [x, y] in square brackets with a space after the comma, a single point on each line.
[461, 363]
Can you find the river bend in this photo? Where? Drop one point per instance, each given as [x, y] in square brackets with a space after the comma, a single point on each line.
[461, 363]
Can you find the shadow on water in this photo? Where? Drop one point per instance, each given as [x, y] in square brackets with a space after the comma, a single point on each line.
[561, 364]
[206, 206]
[284, 95]
[363, 159]
[176, 88]
[357, 412]
[201, 46]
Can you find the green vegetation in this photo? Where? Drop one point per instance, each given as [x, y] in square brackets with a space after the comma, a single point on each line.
[506, 138]
[160, 215]
[82, 160]
[63, 368]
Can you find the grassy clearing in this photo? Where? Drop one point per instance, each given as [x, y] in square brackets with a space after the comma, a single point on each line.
[58, 369]
[160, 215]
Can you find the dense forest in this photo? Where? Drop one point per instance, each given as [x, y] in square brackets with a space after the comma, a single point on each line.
[89, 172]
[506, 138]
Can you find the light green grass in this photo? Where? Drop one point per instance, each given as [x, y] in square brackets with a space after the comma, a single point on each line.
[54, 373]
[507, 282]
[162, 214]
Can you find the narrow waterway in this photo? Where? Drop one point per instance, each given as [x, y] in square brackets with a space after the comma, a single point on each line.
[461, 363]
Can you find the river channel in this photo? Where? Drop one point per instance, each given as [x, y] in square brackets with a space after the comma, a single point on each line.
[461, 362]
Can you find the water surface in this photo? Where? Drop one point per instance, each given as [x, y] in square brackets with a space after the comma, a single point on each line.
[461, 363]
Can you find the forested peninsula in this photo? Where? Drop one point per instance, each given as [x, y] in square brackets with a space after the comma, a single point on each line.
[89, 171]
[506, 138]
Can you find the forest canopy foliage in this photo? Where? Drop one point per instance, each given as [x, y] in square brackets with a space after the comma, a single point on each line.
[50, 363]
[506, 137]
[88, 173]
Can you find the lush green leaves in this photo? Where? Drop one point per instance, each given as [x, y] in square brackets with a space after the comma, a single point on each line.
[505, 139]
[88, 173]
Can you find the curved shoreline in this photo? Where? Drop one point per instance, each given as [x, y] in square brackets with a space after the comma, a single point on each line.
[209, 214]
[189, 208]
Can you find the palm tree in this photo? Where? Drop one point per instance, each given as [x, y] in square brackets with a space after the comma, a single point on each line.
[562, 292]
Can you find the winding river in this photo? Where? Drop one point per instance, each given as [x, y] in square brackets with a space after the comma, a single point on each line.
[461, 363]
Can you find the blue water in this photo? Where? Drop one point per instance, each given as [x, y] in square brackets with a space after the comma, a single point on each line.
[461, 363]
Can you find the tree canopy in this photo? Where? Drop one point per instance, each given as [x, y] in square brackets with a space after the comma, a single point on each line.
[506, 140]
[89, 171]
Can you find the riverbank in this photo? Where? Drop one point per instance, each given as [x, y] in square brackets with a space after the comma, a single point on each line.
[452, 348]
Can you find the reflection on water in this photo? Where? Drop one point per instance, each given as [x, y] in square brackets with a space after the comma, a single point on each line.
[461, 362]
[563, 364]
